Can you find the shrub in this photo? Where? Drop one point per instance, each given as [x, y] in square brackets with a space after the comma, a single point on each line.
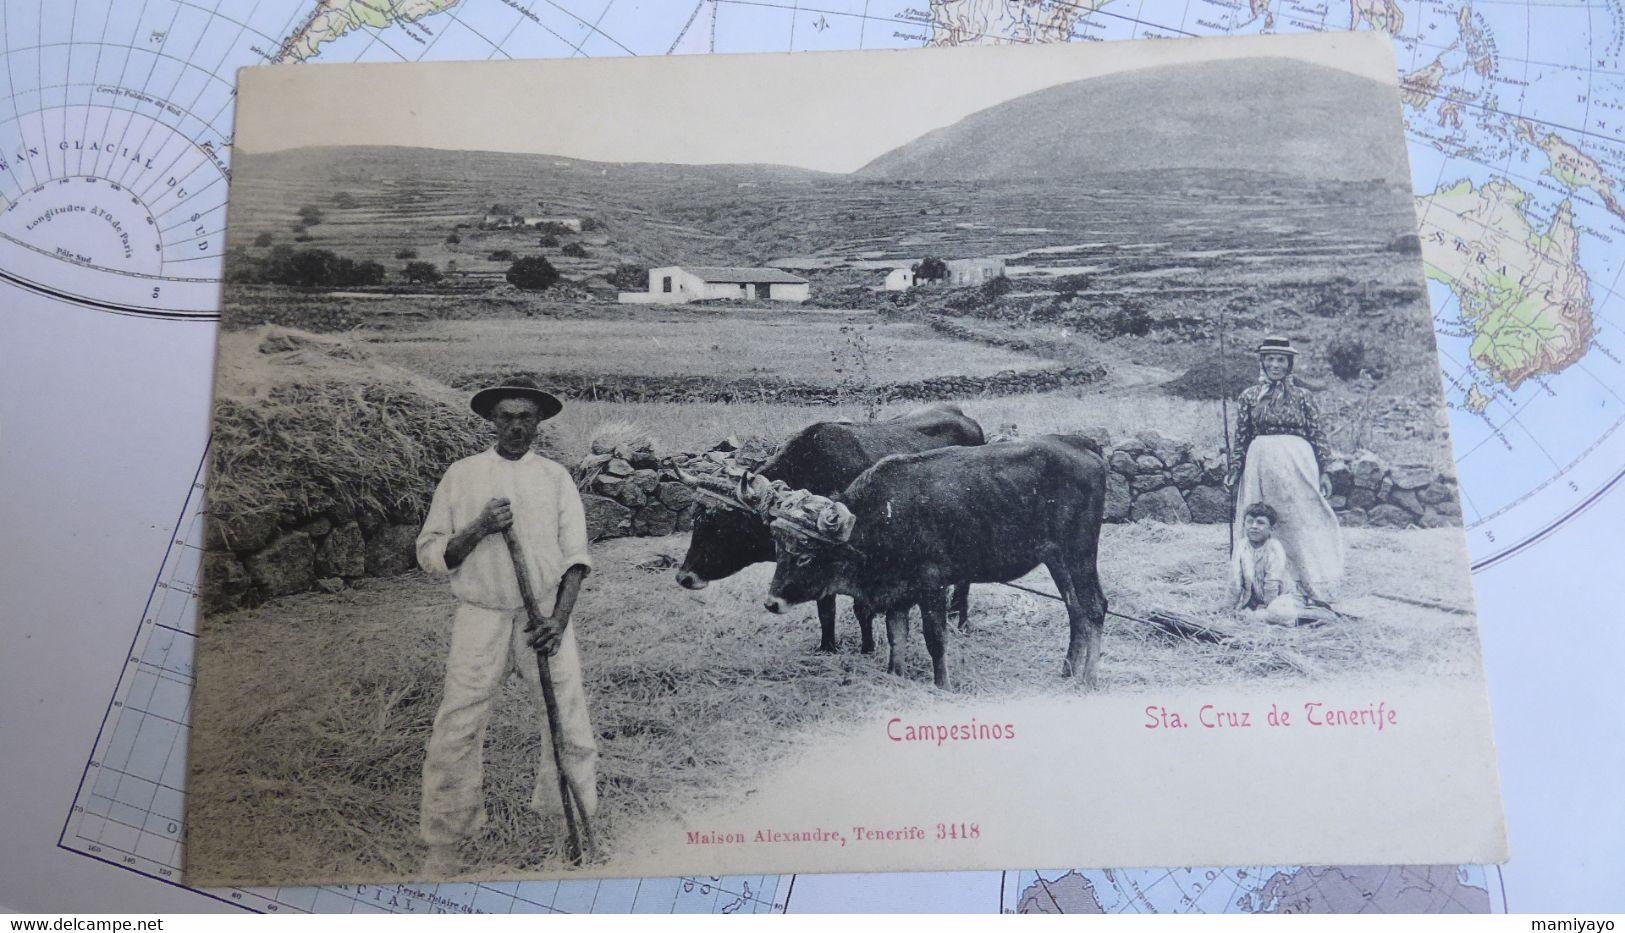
[263, 239]
[1128, 320]
[1072, 284]
[575, 251]
[310, 215]
[305, 267]
[1348, 357]
[632, 278]
[548, 241]
[407, 253]
[1406, 243]
[1333, 303]
[502, 255]
[930, 269]
[532, 273]
[416, 272]
[453, 238]
[345, 200]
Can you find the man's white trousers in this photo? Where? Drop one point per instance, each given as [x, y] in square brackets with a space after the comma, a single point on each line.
[486, 644]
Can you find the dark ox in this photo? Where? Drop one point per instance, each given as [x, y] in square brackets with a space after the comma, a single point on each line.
[978, 514]
[823, 458]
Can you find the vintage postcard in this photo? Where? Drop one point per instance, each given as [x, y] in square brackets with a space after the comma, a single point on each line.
[950, 459]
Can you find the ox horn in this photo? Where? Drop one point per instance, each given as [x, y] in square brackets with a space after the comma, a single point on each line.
[819, 515]
[707, 481]
[836, 521]
[758, 493]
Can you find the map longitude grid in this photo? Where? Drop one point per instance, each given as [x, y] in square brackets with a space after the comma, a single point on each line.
[129, 808]
[211, 74]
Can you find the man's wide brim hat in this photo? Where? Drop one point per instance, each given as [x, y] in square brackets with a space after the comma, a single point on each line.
[1276, 345]
[515, 387]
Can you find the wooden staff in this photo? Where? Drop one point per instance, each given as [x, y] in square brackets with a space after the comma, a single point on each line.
[581, 845]
[1224, 415]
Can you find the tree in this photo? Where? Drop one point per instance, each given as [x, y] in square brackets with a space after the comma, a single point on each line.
[548, 241]
[407, 253]
[347, 271]
[310, 267]
[502, 255]
[453, 239]
[424, 272]
[263, 239]
[575, 251]
[310, 215]
[345, 200]
[630, 277]
[930, 269]
[532, 273]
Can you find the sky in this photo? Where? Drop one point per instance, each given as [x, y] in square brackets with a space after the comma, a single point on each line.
[832, 111]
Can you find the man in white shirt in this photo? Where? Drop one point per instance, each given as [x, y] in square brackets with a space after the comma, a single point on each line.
[507, 486]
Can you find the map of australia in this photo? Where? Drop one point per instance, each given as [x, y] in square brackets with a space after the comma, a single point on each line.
[1523, 293]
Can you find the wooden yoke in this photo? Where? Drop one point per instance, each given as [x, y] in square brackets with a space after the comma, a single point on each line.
[581, 844]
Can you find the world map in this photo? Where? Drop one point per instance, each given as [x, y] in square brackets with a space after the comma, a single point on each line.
[1418, 889]
[116, 135]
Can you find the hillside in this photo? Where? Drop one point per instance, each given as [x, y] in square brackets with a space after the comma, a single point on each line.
[1219, 115]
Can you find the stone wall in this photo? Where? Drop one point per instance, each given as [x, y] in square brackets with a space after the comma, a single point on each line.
[1155, 478]
[248, 559]
[632, 388]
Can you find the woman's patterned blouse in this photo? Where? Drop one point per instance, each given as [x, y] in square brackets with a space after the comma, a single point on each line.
[1280, 409]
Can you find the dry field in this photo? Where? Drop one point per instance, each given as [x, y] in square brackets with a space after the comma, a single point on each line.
[312, 712]
[776, 344]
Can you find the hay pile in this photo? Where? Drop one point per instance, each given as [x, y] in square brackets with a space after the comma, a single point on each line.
[308, 426]
[1216, 378]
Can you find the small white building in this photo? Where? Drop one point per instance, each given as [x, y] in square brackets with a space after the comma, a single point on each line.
[572, 224]
[962, 272]
[680, 284]
[900, 280]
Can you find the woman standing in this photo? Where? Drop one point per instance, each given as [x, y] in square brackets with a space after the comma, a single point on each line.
[1284, 456]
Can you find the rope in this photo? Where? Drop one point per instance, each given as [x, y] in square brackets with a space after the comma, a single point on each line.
[1028, 589]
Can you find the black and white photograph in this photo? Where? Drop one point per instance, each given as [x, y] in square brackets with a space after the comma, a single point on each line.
[949, 459]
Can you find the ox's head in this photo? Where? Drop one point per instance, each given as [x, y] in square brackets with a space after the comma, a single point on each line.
[730, 528]
[811, 536]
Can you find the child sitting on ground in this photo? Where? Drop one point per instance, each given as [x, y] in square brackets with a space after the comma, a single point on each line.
[1260, 575]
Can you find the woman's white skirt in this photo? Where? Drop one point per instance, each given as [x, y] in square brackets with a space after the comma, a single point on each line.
[1281, 471]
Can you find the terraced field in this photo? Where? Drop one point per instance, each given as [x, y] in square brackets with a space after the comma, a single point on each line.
[1131, 271]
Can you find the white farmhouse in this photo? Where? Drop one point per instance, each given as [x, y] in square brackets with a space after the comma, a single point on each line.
[900, 280]
[962, 272]
[572, 224]
[679, 284]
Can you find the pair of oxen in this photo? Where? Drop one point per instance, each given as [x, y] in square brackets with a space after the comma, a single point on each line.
[894, 513]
